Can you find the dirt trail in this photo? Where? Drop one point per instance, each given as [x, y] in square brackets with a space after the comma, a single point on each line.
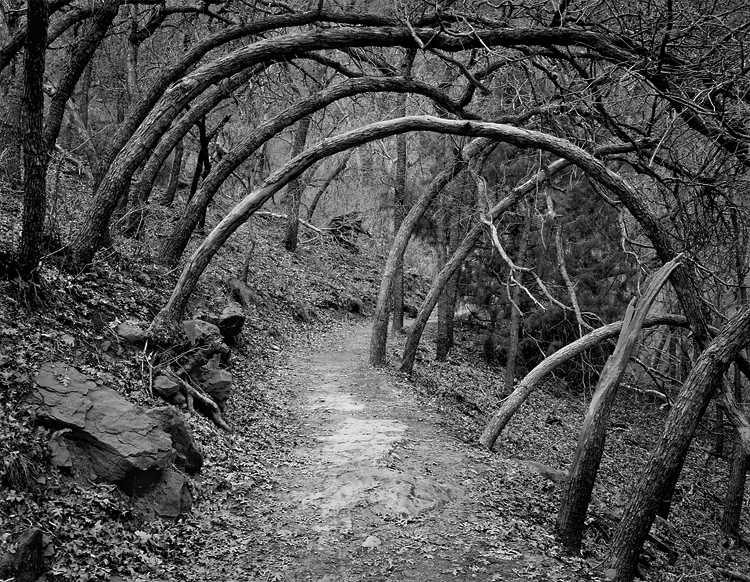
[376, 490]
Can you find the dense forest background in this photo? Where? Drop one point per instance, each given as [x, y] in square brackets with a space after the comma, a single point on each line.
[542, 162]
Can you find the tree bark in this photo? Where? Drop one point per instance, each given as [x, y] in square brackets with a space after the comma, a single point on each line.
[579, 484]
[399, 196]
[34, 152]
[515, 308]
[663, 468]
[174, 174]
[447, 301]
[295, 188]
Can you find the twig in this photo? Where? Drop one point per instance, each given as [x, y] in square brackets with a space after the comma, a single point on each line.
[284, 217]
[515, 268]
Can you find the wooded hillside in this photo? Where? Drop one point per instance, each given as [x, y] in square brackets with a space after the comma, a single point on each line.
[569, 175]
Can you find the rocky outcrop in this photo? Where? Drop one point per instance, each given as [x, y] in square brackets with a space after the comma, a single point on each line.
[165, 386]
[109, 438]
[26, 564]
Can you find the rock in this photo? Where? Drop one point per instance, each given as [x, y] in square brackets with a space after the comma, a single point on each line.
[132, 331]
[201, 332]
[165, 386]
[218, 385]
[61, 457]
[171, 497]
[189, 457]
[231, 320]
[26, 564]
[109, 437]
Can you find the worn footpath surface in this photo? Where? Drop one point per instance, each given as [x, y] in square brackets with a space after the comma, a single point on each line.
[376, 489]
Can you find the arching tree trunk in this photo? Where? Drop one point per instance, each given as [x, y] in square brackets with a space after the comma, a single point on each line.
[585, 466]
[180, 235]
[34, 151]
[328, 147]
[532, 380]
[663, 468]
[84, 50]
[378, 340]
[173, 137]
[295, 188]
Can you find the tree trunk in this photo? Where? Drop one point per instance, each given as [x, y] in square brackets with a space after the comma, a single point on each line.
[173, 137]
[662, 471]
[85, 47]
[378, 340]
[447, 301]
[295, 188]
[515, 308]
[34, 151]
[735, 493]
[174, 175]
[399, 198]
[333, 174]
[585, 466]
[530, 382]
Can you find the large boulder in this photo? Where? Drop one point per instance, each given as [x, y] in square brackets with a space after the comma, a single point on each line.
[109, 438]
[189, 457]
[26, 564]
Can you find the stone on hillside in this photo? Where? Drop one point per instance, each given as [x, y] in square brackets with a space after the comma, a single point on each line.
[26, 564]
[218, 385]
[232, 320]
[201, 332]
[189, 457]
[109, 437]
[132, 331]
[171, 497]
[165, 386]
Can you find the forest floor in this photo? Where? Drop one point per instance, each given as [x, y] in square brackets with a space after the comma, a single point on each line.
[375, 489]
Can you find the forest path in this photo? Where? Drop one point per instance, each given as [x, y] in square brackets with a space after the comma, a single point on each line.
[375, 489]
